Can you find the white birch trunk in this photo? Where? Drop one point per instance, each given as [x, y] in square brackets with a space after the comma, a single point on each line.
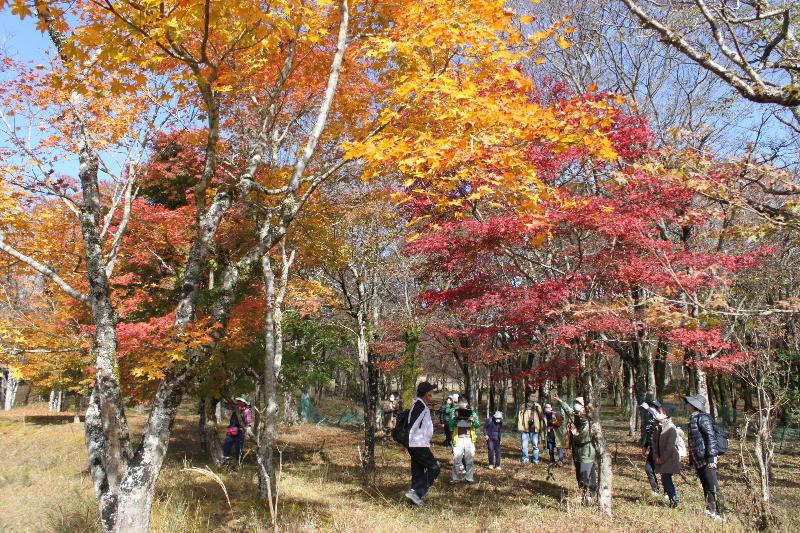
[10, 392]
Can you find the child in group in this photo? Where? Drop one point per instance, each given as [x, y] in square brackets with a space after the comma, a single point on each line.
[492, 430]
[463, 422]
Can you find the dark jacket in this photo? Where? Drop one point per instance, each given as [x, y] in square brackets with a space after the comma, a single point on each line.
[235, 422]
[650, 424]
[663, 445]
[492, 429]
[702, 440]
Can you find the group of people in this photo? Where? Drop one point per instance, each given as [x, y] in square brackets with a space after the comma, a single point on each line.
[664, 447]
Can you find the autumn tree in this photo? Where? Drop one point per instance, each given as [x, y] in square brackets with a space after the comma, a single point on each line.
[749, 45]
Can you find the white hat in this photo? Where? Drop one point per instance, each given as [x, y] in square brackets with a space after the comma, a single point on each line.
[241, 399]
[498, 414]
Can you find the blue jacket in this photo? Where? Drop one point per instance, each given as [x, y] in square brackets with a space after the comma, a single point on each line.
[492, 429]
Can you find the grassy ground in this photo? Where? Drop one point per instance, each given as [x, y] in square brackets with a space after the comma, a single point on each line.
[44, 486]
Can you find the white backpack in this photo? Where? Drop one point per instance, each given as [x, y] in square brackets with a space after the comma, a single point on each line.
[680, 444]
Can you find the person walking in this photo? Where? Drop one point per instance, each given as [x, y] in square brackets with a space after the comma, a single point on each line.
[703, 454]
[444, 417]
[555, 435]
[463, 423]
[241, 423]
[651, 408]
[492, 430]
[666, 458]
[582, 448]
[424, 466]
[530, 422]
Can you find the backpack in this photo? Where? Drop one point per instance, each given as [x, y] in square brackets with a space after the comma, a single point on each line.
[568, 436]
[680, 444]
[722, 439]
[402, 428]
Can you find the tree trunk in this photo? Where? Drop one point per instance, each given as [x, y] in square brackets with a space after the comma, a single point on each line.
[209, 436]
[369, 388]
[409, 371]
[56, 401]
[10, 391]
[589, 376]
[291, 416]
[642, 352]
[661, 368]
[138, 486]
[273, 359]
[764, 448]
[631, 407]
[723, 396]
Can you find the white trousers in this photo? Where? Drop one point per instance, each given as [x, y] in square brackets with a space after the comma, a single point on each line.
[463, 450]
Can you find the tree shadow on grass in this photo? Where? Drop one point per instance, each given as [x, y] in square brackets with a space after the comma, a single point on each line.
[47, 420]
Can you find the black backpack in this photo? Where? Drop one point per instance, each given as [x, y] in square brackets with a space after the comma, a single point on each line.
[720, 435]
[722, 439]
[402, 429]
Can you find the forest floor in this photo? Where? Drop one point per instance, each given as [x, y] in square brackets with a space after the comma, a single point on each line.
[45, 486]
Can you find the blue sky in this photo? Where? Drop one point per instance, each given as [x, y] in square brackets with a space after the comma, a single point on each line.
[20, 39]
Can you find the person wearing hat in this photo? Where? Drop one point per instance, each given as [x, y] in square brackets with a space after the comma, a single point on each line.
[555, 435]
[703, 453]
[444, 417]
[492, 431]
[424, 466]
[464, 423]
[530, 421]
[582, 448]
[651, 409]
[241, 423]
[389, 416]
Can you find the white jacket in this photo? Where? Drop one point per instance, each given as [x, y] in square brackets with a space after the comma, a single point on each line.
[421, 429]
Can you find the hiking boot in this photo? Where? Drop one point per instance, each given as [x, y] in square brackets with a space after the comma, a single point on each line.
[411, 494]
[655, 494]
[455, 481]
[674, 503]
[713, 516]
[491, 467]
[497, 468]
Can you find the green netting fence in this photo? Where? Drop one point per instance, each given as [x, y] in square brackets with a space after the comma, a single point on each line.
[308, 413]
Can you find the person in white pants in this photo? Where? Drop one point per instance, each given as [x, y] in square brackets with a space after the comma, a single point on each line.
[464, 422]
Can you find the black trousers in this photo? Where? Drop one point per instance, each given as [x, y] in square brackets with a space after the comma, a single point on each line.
[708, 478]
[424, 470]
[448, 435]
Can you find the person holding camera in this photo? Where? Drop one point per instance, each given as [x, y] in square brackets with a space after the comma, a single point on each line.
[530, 421]
[582, 448]
[464, 423]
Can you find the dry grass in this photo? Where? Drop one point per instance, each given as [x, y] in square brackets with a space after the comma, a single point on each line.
[44, 486]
